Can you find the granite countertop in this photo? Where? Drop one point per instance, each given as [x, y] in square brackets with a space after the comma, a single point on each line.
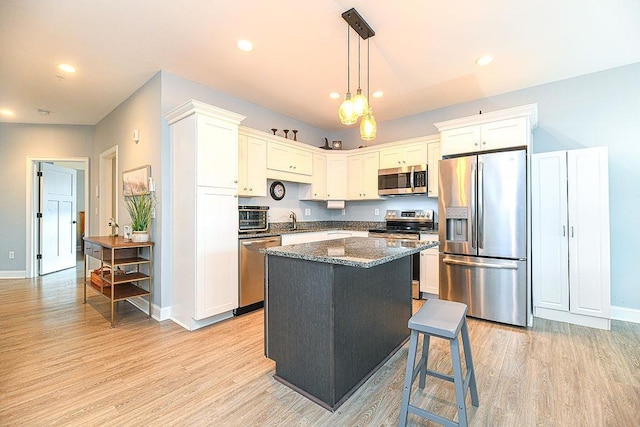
[280, 228]
[362, 252]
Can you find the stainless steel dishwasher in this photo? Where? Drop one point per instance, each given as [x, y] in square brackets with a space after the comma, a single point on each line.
[251, 277]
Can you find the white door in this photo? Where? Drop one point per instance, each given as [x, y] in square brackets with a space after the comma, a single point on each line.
[58, 222]
[550, 250]
[589, 262]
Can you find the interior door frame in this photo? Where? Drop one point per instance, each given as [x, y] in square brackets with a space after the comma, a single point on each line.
[32, 205]
[107, 190]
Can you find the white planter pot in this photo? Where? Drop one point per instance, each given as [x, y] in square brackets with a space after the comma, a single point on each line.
[140, 237]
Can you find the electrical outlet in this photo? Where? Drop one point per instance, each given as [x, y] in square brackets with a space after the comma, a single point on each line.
[344, 211]
[376, 211]
[153, 212]
[307, 211]
[12, 254]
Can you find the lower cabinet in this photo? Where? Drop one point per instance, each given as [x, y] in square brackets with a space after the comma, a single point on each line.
[205, 269]
[429, 269]
[570, 242]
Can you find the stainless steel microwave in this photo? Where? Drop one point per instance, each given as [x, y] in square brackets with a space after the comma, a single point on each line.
[403, 181]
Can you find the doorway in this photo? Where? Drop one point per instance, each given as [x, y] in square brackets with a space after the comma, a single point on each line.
[107, 192]
[33, 202]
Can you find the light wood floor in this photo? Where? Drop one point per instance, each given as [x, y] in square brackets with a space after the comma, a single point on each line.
[61, 364]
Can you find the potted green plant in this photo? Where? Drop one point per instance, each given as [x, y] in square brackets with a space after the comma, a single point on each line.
[140, 208]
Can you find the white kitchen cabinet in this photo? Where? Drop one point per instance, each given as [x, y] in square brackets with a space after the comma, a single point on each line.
[318, 188]
[488, 131]
[252, 166]
[289, 163]
[362, 176]
[429, 268]
[336, 177]
[203, 238]
[488, 136]
[433, 151]
[404, 155]
[570, 244]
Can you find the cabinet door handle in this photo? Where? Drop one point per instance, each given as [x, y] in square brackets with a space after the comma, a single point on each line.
[235, 181]
[572, 231]
[564, 231]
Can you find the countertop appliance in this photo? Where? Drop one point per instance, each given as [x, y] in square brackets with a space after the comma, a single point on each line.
[483, 234]
[407, 225]
[253, 218]
[403, 181]
[251, 272]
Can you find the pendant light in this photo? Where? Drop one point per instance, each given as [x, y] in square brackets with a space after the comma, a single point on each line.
[346, 112]
[368, 125]
[360, 104]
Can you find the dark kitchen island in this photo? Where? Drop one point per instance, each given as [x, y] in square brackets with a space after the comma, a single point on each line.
[335, 311]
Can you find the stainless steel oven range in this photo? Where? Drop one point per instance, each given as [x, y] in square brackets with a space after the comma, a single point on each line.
[407, 225]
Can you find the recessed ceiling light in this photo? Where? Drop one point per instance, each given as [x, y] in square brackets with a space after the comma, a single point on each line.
[245, 45]
[334, 95]
[484, 60]
[377, 94]
[67, 68]
[7, 113]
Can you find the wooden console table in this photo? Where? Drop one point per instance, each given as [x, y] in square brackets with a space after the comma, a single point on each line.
[124, 259]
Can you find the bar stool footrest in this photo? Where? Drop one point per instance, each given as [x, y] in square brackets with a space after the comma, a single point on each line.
[431, 416]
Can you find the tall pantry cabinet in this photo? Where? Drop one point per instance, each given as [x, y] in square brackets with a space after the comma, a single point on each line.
[570, 222]
[204, 213]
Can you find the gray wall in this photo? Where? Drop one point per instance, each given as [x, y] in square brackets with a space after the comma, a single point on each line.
[17, 142]
[140, 111]
[599, 109]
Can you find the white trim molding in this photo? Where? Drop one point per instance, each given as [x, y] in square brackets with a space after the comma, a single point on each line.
[17, 274]
[625, 314]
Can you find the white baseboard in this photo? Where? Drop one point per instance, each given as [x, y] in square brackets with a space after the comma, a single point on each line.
[157, 313]
[8, 274]
[625, 314]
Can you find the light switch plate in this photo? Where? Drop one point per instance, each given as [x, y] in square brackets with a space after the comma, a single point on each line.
[307, 211]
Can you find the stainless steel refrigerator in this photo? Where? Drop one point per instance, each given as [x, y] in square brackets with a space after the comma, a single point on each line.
[483, 234]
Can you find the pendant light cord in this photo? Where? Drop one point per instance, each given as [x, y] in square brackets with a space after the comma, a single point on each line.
[358, 62]
[348, 59]
[368, 66]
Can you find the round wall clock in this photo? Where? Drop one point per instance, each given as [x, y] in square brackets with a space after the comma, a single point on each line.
[277, 190]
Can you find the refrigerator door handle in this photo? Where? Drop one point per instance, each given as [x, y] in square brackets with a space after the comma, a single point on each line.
[473, 206]
[506, 266]
[480, 205]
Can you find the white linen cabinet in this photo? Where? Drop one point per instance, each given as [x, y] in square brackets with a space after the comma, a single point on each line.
[570, 244]
[203, 237]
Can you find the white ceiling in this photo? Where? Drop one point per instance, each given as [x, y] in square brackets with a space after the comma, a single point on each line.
[422, 55]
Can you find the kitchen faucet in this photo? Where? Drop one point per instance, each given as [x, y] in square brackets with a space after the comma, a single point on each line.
[294, 221]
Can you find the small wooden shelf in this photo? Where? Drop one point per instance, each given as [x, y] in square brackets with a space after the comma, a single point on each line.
[118, 253]
[122, 291]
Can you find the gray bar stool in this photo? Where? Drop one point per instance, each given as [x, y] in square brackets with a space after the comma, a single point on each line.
[442, 319]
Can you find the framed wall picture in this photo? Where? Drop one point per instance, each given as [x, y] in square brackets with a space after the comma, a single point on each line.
[136, 181]
[336, 145]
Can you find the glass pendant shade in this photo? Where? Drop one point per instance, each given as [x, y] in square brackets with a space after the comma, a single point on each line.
[346, 112]
[360, 104]
[368, 126]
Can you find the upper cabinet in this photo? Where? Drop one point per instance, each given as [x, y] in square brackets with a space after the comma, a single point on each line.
[252, 166]
[433, 150]
[489, 131]
[336, 177]
[318, 188]
[404, 155]
[288, 163]
[362, 176]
